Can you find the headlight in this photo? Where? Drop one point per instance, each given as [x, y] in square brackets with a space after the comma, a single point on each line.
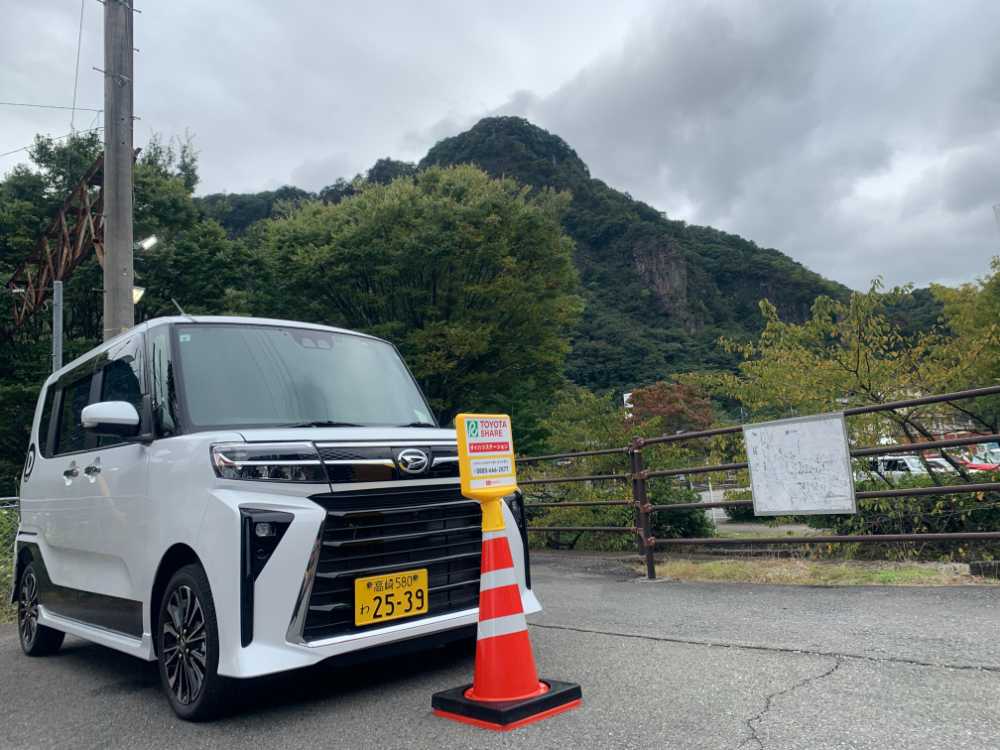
[268, 462]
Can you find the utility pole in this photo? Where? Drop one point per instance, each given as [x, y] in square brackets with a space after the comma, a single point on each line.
[119, 274]
[57, 325]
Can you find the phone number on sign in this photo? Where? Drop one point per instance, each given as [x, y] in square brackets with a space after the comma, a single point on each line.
[491, 467]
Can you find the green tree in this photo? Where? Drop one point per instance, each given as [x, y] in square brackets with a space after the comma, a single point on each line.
[386, 170]
[854, 353]
[846, 354]
[581, 420]
[972, 313]
[470, 276]
[193, 262]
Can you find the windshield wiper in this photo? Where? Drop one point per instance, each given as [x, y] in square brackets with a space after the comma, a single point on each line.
[418, 424]
[321, 423]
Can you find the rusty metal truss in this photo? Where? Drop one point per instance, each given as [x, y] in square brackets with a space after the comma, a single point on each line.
[77, 227]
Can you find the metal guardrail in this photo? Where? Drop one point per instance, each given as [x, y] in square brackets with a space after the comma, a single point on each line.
[638, 476]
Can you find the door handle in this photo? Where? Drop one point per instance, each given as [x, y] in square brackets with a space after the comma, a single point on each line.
[72, 472]
[92, 470]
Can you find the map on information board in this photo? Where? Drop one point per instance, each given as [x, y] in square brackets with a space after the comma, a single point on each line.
[800, 466]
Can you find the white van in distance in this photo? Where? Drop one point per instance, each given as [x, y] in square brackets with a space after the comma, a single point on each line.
[235, 497]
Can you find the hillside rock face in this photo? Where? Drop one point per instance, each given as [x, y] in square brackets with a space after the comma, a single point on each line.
[664, 270]
[659, 293]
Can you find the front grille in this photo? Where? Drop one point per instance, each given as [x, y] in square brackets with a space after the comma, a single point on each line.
[383, 531]
[363, 463]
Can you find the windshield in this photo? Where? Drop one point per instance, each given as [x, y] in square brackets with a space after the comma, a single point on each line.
[246, 375]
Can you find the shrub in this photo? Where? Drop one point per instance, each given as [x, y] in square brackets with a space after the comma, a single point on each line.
[925, 514]
[743, 513]
[689, 523]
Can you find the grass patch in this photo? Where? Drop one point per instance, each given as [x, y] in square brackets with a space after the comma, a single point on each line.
[764, 532]
[8, 612]
[819, 573]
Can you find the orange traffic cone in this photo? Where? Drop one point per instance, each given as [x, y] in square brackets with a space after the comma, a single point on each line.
[506, 692]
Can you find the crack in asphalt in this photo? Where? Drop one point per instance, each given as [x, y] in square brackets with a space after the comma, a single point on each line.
[776, 649]
[753, 723]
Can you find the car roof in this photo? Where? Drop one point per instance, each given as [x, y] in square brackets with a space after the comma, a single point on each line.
[195, 319]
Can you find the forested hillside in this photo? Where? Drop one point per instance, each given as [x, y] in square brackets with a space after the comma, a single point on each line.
[522, 257]
[659, 293]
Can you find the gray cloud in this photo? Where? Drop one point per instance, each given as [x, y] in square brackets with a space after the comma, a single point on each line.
[815, 128]
[860, 138]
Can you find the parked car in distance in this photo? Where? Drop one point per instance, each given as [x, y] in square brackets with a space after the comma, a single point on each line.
[234, 497]
[941, 465]
[892, 466]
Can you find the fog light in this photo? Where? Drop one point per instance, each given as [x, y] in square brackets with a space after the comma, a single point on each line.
[263, 530]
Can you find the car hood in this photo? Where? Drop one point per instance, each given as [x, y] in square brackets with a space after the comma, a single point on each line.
[348, 434]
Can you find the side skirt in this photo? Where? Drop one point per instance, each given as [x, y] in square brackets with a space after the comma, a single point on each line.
[138, 647]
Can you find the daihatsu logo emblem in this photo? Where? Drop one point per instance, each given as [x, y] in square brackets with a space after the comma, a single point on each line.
[413, 461]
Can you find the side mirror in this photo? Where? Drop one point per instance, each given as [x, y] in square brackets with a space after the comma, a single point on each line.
[117, 418]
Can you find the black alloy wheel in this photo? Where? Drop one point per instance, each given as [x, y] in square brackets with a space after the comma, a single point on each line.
[27, 608]
[185, 649]
[187, 640]
[36, 640]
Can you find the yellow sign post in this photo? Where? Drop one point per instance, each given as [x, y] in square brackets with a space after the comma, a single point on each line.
[486, 463]
[505, 692]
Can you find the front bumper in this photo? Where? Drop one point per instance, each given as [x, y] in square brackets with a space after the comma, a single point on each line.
[282, 593]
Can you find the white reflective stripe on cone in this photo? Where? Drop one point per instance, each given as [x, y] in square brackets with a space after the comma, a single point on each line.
[497, 578]
[501, 626]
[487, 535]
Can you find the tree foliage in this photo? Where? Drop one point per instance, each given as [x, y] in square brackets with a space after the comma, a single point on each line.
[581, 420]
[680, 407]
[854, 353]
[471, 277]
[659, 293]
[193, 262]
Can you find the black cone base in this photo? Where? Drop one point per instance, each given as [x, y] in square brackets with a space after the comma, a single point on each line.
[506, 715]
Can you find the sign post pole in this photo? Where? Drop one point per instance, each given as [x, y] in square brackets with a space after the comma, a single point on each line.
[506, 692]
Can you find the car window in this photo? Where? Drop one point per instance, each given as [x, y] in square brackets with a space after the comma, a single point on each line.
[121, 379]
[280, 375]
[75, 395]
[163, 382]
[46, 421]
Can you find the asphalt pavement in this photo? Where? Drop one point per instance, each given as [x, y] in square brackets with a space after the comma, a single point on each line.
[662, 665]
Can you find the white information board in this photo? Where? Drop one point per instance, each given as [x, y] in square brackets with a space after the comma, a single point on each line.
[800, 466]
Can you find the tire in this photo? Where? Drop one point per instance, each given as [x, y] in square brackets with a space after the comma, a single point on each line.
[36, 640]
[187, 642]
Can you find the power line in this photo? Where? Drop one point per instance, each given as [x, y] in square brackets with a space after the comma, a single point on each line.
[54, 138]
[51, 106]
[76, 72]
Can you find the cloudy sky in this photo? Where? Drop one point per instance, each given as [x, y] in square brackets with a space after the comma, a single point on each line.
[860, 138]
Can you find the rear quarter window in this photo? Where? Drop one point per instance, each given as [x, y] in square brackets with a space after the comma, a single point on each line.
[45, 423]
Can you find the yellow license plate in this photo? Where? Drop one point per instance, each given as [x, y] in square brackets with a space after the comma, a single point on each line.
[390, 596]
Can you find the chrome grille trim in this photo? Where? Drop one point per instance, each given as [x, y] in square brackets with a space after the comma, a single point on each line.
[371, 532]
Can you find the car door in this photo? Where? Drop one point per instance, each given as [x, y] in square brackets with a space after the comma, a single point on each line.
[53, 493]
[42, 481]
[113, 491]
[93, 522]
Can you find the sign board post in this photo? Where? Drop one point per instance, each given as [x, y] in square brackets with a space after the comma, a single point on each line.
[800, 466]
[505, 692]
